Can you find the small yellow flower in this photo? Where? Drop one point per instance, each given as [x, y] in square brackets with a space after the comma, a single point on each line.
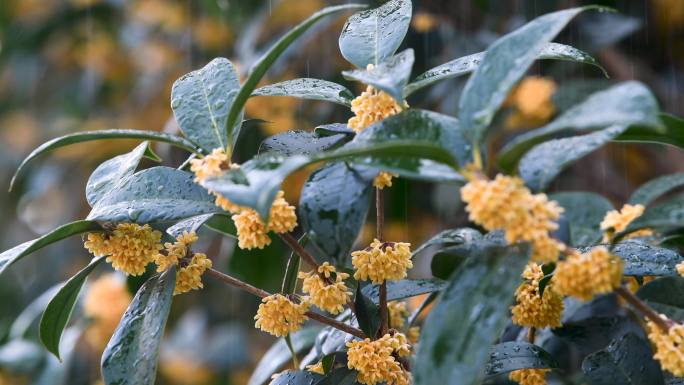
[175, 251]
[669, 347]
[371, 107]
[384, 261]
[397, 314]
[282, 217]
[505, 203]
[680, 268]
[225, 204]
[210, 166]
[105, 302]
[384, 179]
[529, 376]
[251, 230]
[585, 275]
[532, 102]
[532, 309]
[375, 361]
[190, 277]
[130, 247]
[413, 334]
[316, 368]
[617, 221]
[279, 316]
[97, 244]
[424, 22]
[329, 296]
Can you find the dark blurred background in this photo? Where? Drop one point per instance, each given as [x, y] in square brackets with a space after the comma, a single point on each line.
[74, 65]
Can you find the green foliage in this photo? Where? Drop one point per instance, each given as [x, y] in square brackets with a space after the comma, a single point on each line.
[509, 356]
[666, 296]
[627, 360]
[390, 76]
[583, 213]
[308, 88]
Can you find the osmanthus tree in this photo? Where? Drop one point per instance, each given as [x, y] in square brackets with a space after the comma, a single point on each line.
[564, 252]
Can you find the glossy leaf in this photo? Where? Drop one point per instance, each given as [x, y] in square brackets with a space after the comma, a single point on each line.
[404, 288]
[157, 194]
[301, 143]
[58, 311]
[334, 129]
[655, 188]
[340, 376]
[514, 355]
[278, 355]
[367, 312]
[472, 311]
[265, 62]
[666, 296]
[189, 225]
[371, 36]
[664, 215]
[451, 237]
[545, 161]
[296, 377]
[467, 64]
[449, 258]
[583, 212]
[131, 355]
[308, 88]
[333, 207]
[390, 76]
[200, 101]
[503, 64]
[628, 360]
[671, 134]
[289, 285]
[643, 259]
[628, 103]
[18, 252]
[88, 136]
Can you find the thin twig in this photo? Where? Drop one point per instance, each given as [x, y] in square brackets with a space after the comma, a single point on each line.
[384, 319]
[646, 310]
[299, 249]
[531, 334]
[225, 278]
[380, 214]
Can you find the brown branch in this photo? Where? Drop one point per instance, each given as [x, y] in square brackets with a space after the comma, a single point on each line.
[646, 310]
[380, 214]
[532, 334]
[384, 318]
[297, 248]
[225, 278]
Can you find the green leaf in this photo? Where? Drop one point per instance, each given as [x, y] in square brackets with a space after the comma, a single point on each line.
[628, 360]
[334, 129]
[110, 172]
[503, 64]
[467, 64]
[131, 355]
[545, 161]
[157, 194]
[390, 75]
[666, 296]
[266, 61]
[333, 206]
[291, 271]
[514, 355]
[18, 252]
[584, 212]
[414, 144]
[58, 311]
[404, 288]
[189, 225]
[664, 215]
[340, 376]
[87, 136]
[672, 134]
[367, 312]
[200, 101]
[448, 259]
[645, 259]
[222, 224]
[628, 103]
[301, 143]
[296, 377]
[308, 88]
[371, 36]
[451, 237]
[655, 188]
[279, 354]
[459, 331]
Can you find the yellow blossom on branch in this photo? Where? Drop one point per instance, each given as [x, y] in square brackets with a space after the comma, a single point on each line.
[253, 233]
[397, 314]
[129, 247]
[532, 309]
[189, 277]
[382, 261]
[669, 346]
[413, 334]
[617, 221]
[210, 166]
[375, 360]
[325, 293]
[384, 179]
[316, 368]
[175, 251]
[529, 376]
[585, 275]
[280, 316]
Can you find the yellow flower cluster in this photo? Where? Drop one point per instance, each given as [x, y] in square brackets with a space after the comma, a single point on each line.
[325, 293]
[617, 221]
[316, 368]
[413, 334]
[375, 361]
[189, 277]
[252, 231]
[384, 179]
[529, 376]
[384, 261]
[212, 166]
[585, 275]
[105, 302]
[129, 247]
[505, 203]
[397, 314]
[280, 316]
[532, 309]
[680, 268]
[669, 347]
[532, 102]
[175, 251]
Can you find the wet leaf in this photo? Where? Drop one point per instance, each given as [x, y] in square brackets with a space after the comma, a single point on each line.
[471, 312]
[189, 225]
[131, 355]
[367, 312]
[467, 64]
[289, 285]
[334, 129]
[308, 88]
[18, 252]
[157, 194]
[404, 288]
[503, 64]
[655, 188]
[371, 36]
[296, 377]
[664, 215]
[340, 376]
[390, 76]
[451, 237]
[301, 143]
[672, 132]
[58, 311]
[644, 259]
[546, 160]
[584, 212]
[666, 296]
[514, 355]
[628, 360]
[278, 354]
[449, 258]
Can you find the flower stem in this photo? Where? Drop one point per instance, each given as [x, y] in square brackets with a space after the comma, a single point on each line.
[299, 249]
[225, 278]
[646, 310]
[532, 334]
[380, 214]
[384, 321]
